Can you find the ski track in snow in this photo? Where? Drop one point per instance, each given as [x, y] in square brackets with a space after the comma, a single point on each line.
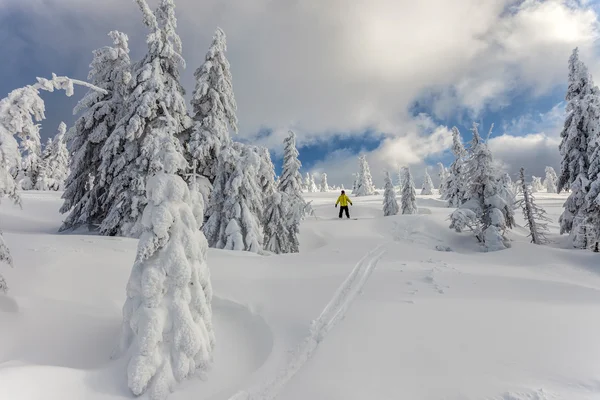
[333, 312]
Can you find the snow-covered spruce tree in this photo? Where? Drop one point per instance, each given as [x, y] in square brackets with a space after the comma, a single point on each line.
[20, 111]
[236, 203]
[99, 113]
[313, 184]
[390, 204]
[443, 172]
[427, 188]
[536, 184]
[551, 180]
[309, 183]
[290, 184]
[409, 195]
[535, 217]
[581, 124]
[167, 317]
[324, 184]
[453, 186]
[485, 211]
[364, 185]
[506, 190]
[276, 229]
[214, 108]
[31, 149]
[54, 167]
[266, 172]
[155, 113]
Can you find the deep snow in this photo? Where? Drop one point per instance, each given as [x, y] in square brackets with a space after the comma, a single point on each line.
[373, 308]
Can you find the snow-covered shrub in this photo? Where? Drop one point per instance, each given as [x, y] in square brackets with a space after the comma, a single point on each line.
[454, 186]
[390, 204]
[409, 195]
[427, 188]
[364, 183]
[54, 167]
[214, 108]
[167, 317]
[535, 217]
[551, 180]
[236, 202]
[99, 113]
[536, 184]
[278, 237]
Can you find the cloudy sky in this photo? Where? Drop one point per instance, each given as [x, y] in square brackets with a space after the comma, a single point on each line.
[387, 78]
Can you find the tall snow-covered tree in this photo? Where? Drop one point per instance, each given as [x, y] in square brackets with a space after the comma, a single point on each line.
[454, 184]
[167, 328]
[99, 113]
[536, 184]
[581, 125]
[551, 180]
[364, 186]
[214, 108]
[155, 117]
[427, 188]
[276, 229]
[324, 184]
[390, 204]
[290, 183]
[442, 173]
[54, 167]
[535, 217]
[409, 195]
[236, 203]
[266, 172]
[486, 211]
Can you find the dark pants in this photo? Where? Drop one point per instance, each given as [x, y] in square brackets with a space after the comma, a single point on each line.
[342, 209]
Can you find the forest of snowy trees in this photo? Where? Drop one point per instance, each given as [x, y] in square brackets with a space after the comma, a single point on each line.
[138, 162]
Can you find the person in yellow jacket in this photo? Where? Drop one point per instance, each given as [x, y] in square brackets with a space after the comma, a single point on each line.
[343, 201]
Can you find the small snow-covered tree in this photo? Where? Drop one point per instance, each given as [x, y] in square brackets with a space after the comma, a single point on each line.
[442, 173]
[364, 185]
[236, 203]
[324, 184]
[266, 172]
[290, 183]
[427, 188]
[454, 185]
[167, 317]
[551, 180]
[486, 212]
[214, 108]
[581, 125]
[155, 117]
[99, 113]
[54, 167]
[276, 229]
[390, 204]
[535, 217]
[409, 195]
[309, 183]
[506, 190]
[536, 184]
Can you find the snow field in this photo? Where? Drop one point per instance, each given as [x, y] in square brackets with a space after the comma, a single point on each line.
[416, 322]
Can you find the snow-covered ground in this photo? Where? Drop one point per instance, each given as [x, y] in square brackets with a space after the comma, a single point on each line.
[372, 308]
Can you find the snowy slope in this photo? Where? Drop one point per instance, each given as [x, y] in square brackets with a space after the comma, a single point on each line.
[394, 317]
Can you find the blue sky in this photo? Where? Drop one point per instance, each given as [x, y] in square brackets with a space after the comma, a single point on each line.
[387, 78]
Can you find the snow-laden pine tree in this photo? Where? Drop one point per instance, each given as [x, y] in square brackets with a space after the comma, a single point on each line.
[167, 328]
[551, 180]
[276, 229]
[454, 185]
[427, 188]
[236, 202]
[20, 112]
[54, 167]
[266, 173]
[536, 184]
[581, 124]
[214, 108]
[409, 195]
[535, 217]
[290, 183]
[506, 190]
[364, 185]
[390, 204]
[155, 114]
[442, 173]
[99, 113]
[324, 185]
[485, 211]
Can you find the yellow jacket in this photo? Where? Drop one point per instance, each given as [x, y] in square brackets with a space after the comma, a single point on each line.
[343, 201]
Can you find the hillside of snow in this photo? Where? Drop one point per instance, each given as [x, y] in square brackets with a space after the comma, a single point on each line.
[375, 308]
